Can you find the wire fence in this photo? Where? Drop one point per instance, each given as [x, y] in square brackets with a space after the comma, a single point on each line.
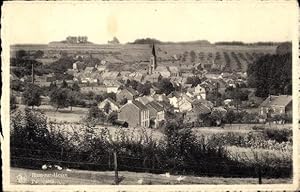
[209, 167]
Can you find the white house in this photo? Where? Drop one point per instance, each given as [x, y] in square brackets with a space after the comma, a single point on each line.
[113, 106]
[200, 91]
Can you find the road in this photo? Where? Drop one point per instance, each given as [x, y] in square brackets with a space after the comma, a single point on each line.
[83, 177]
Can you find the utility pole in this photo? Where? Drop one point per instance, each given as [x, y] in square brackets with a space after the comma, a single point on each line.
[116, 167]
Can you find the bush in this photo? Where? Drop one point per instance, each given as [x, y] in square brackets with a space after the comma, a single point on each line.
[279, 135]
[86, 147]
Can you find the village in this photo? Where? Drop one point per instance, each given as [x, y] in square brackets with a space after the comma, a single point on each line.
[146, 96]
[162, 101]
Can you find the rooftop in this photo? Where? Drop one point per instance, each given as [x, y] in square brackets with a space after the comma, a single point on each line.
[280, 100]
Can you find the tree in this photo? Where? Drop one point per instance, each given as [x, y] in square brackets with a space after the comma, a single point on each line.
[270, 74]
[107, 108]
[217, 115]
[59, 98]
[32, 95]
[29, 128]
[13, 102]
[73, 98]
[75, 87]
[112, 117]
[144, 89]
[20, 54]
[194, 80]
[230, 117]
[165, 86]
[95, 116]
[39, 54]
[64, 84]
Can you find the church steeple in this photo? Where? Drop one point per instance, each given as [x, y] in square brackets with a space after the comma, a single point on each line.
[152, 64]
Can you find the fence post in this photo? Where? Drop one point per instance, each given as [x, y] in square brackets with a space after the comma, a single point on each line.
[259, 175]
[116, 168]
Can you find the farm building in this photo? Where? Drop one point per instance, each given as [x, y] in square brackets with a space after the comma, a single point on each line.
[135, 114]
[276, 105]
[126, 93]
[113, 106]
[156, 113]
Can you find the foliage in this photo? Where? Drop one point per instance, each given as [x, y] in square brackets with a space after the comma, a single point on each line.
[13, 102]
[75, 87]
[165, 86]
[271, 74]
[59, 98]
[28, 128]
[146, 41]
[17, 85]
[94, 116]
[64, 84]
[279, 135]
[194, 80]
[73, 98]
[144, 89]
[112, 117]
[32, 95]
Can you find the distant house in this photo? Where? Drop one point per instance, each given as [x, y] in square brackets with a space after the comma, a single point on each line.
[193, 116]
[163, 71]
[89, 69]
[277, 105]
[112, 86]
[126, 93]
[156, 113]
[174, 97]
[185, 103]
[200, 91]
[113, 106]
[174, 71]
[152, 78]
[135, 114]
[110, 75]
[99, 89]
[145, 99]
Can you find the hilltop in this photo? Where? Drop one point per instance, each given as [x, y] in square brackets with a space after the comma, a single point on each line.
[214, 57]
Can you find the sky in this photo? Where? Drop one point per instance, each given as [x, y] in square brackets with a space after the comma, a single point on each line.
[250, 21]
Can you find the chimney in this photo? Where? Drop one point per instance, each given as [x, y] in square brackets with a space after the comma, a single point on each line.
[270, 98]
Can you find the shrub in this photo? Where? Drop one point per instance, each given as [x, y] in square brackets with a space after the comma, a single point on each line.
[279, 135]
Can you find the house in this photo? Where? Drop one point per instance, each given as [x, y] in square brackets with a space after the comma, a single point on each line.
[160, 97]
[193, 116]
[152, 78]
[110, 75]
[137, 76]
[277, 105]
[200, 91]
[113, 106]
[174, 97]
[185, 103]
[156, 113]
[163, 71]
[174, 71]
[145, 99]
[112, 86]
[89, 69]
[126, 93]
[135, 114]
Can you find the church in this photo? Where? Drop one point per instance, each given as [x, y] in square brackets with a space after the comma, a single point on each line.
[153, 61]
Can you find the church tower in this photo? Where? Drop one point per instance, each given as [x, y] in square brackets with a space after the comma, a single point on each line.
[152, 64]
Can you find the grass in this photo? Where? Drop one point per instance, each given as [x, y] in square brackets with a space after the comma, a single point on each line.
[81, 177]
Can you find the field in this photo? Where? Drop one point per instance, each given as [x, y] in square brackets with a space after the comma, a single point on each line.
[132, 56]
